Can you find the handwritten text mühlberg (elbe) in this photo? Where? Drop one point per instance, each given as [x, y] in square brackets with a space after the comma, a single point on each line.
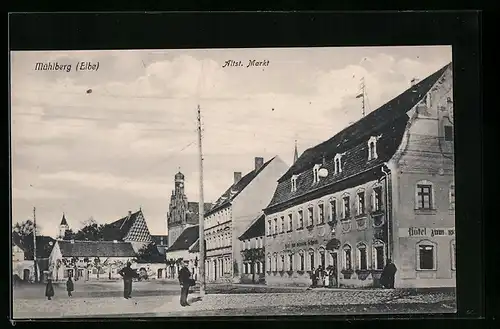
[54, 66]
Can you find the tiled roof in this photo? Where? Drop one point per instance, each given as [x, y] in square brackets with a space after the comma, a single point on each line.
[388, 121]
[157, 239]
[235, 189]
[186, 239]
[121, 229]
[255, 230]
[193, 213]
[96, 249]
[63, 220]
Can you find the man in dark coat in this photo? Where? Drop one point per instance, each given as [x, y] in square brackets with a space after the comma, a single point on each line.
[127, 274]
[185, 282]
[388, 274]
[49, 289]
[314, 278]
[70, 287]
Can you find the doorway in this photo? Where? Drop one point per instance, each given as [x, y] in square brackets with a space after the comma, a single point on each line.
[26, 274]
[335, 269]
[160, 273]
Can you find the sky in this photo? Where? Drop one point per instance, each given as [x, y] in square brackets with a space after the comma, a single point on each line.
[117, 148]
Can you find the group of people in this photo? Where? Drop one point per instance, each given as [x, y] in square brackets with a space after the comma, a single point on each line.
[128, 274]
[328, 277]
[323, 278]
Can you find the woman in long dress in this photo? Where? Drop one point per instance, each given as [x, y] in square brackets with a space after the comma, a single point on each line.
[327, 279]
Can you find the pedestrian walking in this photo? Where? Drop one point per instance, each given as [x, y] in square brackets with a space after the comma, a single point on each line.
[332, 278]
[49, 289]
[388, 275]
[70, 287]
[320, 275]
[185, 281]
[128, 274]
[314, 278]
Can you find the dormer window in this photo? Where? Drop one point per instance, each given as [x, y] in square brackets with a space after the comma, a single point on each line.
[294, 183]
[372, 148]
[338, 163]
[316, 173]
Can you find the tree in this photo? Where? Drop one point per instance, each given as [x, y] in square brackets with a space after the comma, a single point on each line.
[149, 254]
[69, 235]
[253, 256]
[23, 232]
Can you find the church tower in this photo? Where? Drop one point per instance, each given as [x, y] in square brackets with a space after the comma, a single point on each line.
[63, 227]
[177, 210]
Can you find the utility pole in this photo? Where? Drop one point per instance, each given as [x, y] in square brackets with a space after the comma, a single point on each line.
[201, 211]
[35, 269]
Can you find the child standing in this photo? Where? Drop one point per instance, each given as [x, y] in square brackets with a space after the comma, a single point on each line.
[49, 289]
[70, 286]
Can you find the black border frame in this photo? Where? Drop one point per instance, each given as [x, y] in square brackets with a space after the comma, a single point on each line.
[79, 31]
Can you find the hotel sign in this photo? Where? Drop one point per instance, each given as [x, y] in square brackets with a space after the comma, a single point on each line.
[417, 232]
[301, 244]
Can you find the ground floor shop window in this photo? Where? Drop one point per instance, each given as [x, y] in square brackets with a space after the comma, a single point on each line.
[378, 255]
[426, 255]
[301, 261]
[362, 259]
[347, 257]
[311, 260]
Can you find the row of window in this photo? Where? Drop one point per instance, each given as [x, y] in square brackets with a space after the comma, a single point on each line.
[337, 163]
[362, 256]
[252, 243]
[306, 261]
[275, 227]
[217, 218]
[258, 268]
[219, 241]
[217, 267]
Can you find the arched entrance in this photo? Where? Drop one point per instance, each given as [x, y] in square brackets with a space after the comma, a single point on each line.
[26, 274]
[332, 247]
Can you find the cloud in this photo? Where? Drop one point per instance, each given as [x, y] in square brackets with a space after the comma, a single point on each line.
[122, 143]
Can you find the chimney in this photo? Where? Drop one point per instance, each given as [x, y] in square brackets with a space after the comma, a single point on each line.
[414, 81]
[129, 213]
[259, 162]
[237, 176]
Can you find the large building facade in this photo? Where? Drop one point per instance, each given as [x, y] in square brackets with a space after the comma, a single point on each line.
[231, 216]
[381, 188]
[182, 214]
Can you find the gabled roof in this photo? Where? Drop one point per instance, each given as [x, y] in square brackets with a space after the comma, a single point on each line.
[119, 229]
[256, 229]
[232, 192]
[96, 249]
[157, 239]
[186, 239]
[63, 220]
[387, 122]
[193, 212]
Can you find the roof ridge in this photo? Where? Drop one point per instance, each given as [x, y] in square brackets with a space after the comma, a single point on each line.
[369, 117]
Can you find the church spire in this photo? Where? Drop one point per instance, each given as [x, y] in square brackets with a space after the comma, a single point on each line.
[63, 220]
[295, 153]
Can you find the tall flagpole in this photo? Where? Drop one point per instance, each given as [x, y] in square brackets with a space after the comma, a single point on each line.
[201, 211]
[35, 269]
